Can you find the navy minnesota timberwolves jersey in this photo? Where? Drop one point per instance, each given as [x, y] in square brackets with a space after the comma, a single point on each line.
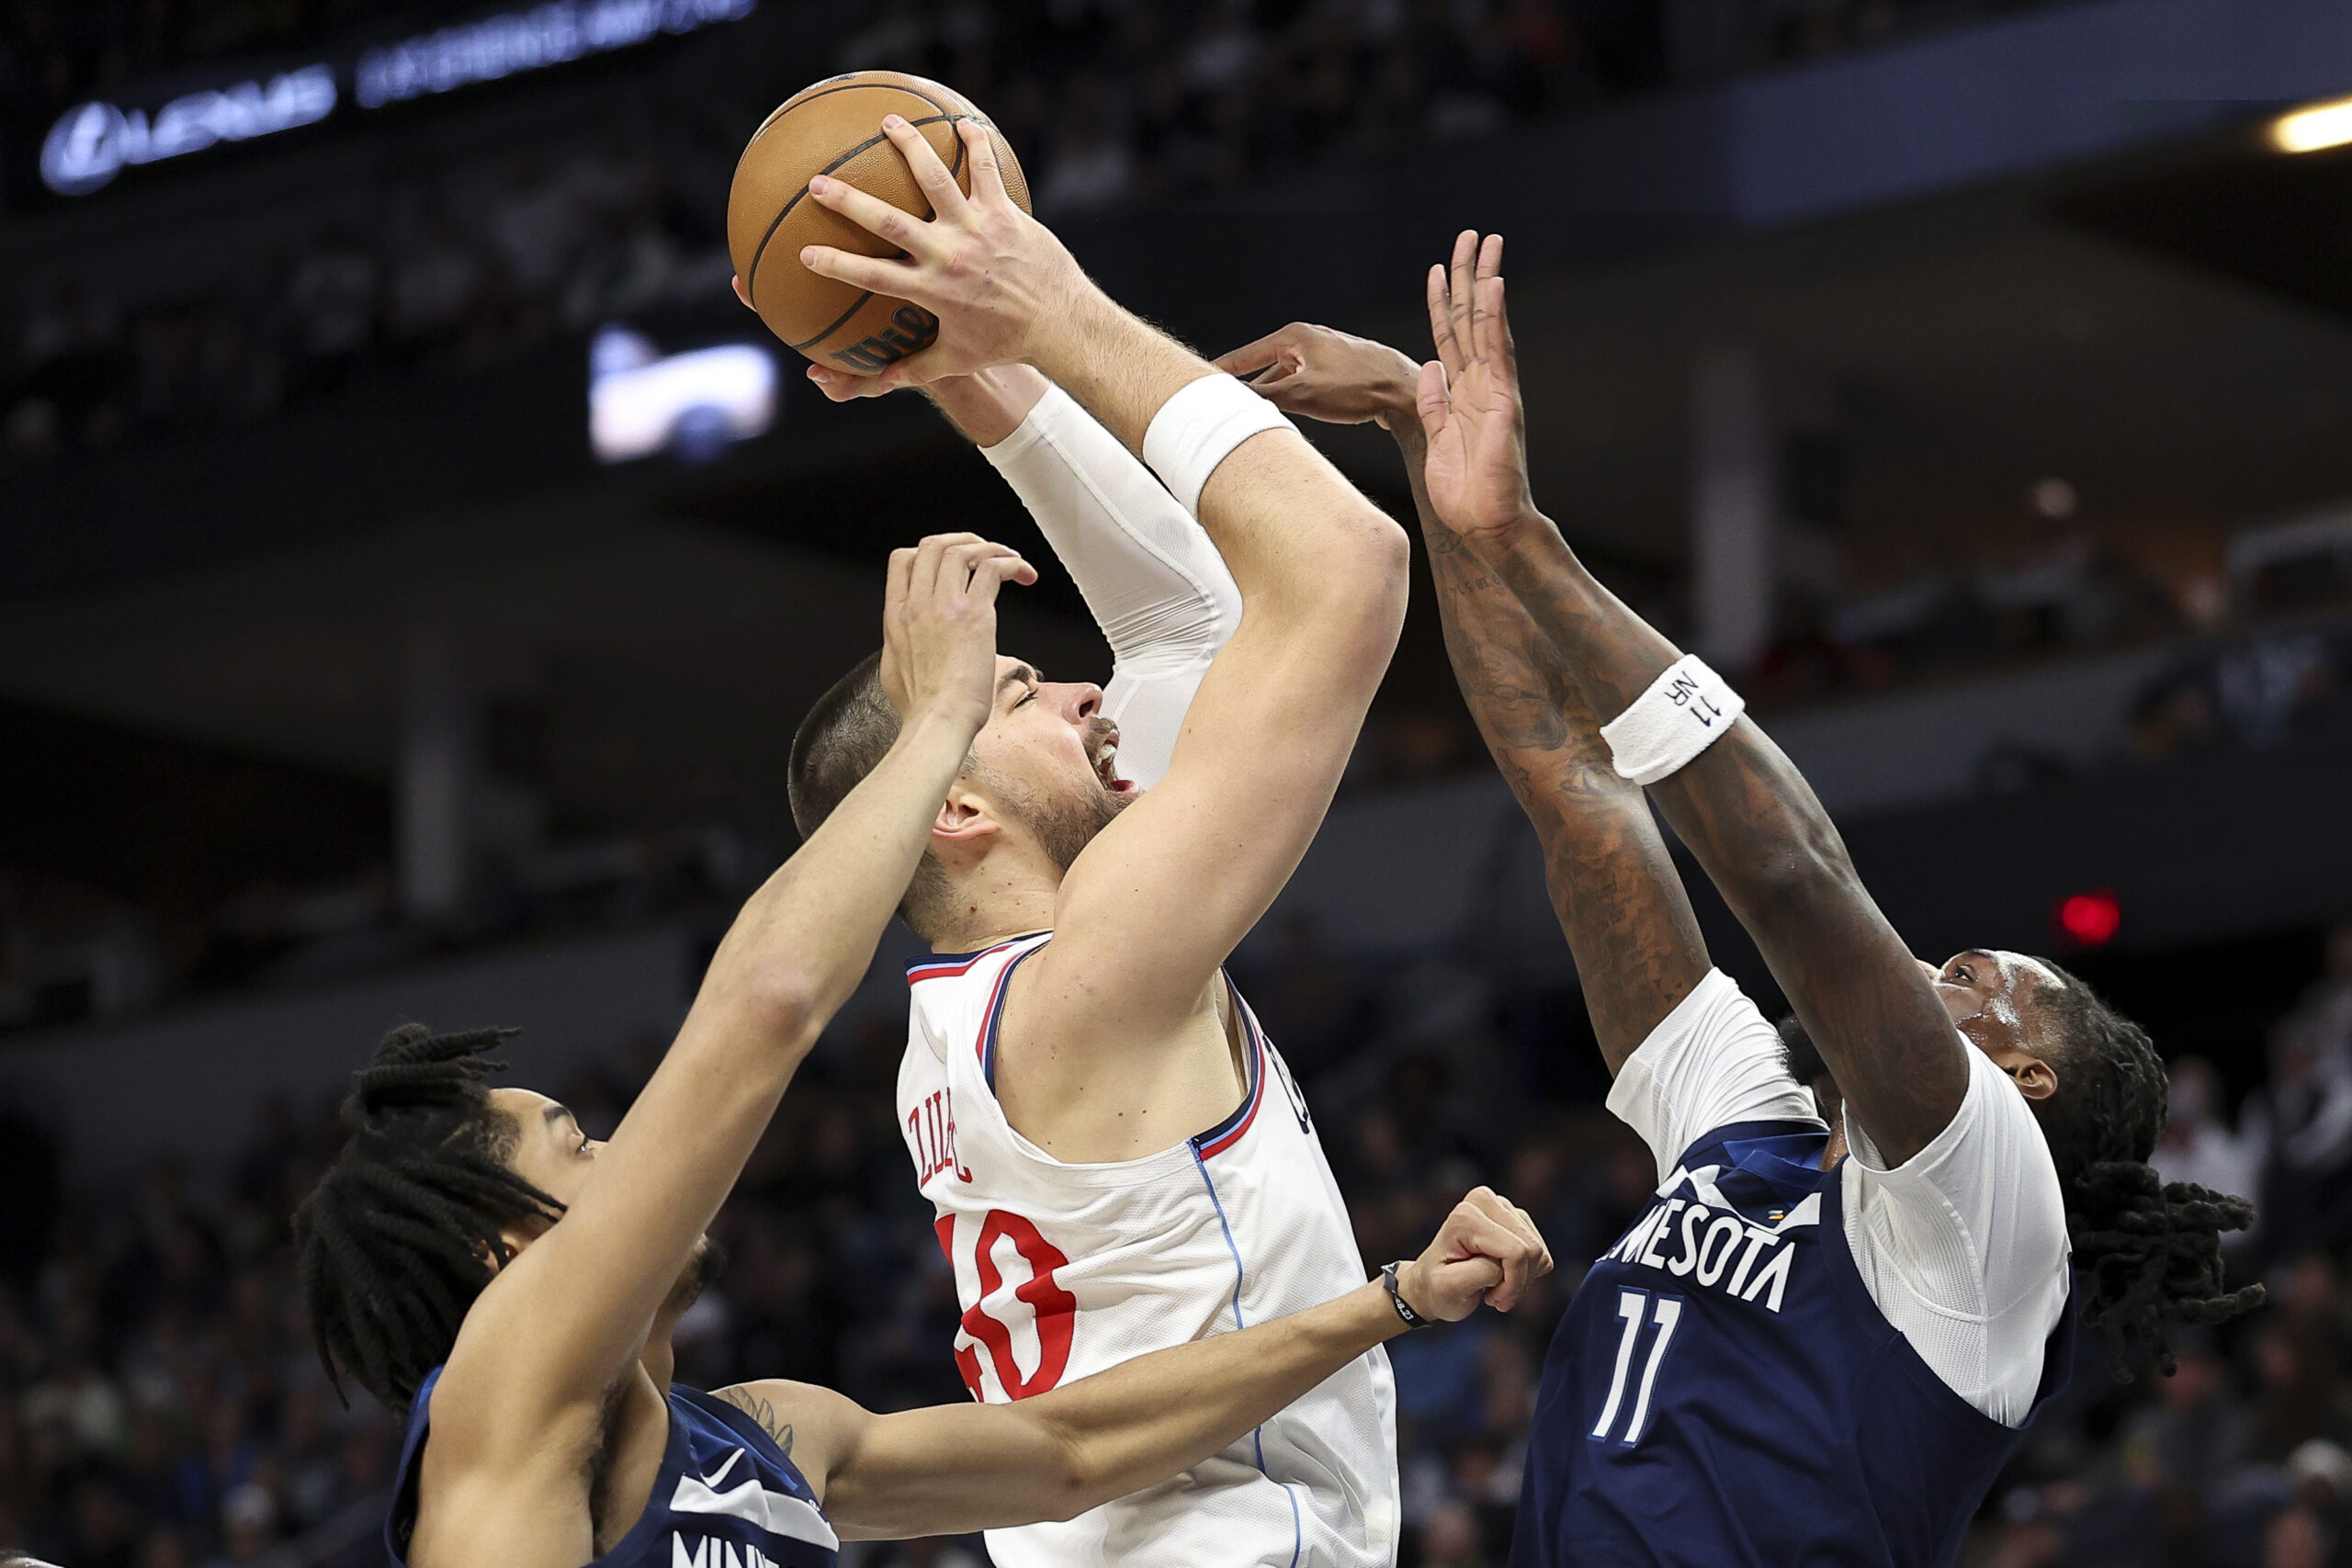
[724, 1497]
[1723, 1389]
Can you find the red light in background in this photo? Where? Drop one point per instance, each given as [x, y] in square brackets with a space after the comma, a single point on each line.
[2091, 918]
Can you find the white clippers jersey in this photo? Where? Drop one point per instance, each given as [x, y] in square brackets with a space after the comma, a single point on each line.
[1068, 1270]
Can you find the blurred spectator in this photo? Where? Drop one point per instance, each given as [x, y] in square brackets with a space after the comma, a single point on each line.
[332, 297]
[2298, 1538]
[435, 282]
[2301, 1117]
[2199, 1144]
[2253, 695]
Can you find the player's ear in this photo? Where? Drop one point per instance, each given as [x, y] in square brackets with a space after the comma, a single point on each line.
[516, 1236]
[2035, 1078]
[965, 818]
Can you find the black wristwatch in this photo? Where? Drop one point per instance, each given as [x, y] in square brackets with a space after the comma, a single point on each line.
[1396, 1299]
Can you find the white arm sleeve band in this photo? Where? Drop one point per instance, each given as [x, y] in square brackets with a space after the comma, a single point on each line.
[1964, 1246]
[1199, 427]
[1712, 1062]
[1154, 583]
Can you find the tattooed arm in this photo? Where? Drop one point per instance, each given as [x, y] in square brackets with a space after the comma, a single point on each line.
[1741, 805]
[754, 1400]
[1619, 901]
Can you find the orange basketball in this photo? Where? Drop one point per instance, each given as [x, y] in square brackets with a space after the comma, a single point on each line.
[835, 128]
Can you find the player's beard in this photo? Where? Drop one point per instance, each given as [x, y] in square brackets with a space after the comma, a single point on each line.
[1066, 820]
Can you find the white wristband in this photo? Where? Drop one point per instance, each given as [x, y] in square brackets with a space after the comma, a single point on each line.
[1198, 428]
[1685, 711]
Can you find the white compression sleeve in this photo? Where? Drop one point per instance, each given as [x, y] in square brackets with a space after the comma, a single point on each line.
[1154, 583]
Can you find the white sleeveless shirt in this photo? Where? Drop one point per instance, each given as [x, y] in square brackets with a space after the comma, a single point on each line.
[1067, 1269]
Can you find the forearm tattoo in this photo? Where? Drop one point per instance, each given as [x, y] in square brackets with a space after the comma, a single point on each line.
[1619, 901]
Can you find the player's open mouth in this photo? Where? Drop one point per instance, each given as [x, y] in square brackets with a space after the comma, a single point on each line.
[1106, 767]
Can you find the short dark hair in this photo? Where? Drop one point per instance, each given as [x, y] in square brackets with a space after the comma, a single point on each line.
[2147, 1252]
[843, 737]
[402, 1232]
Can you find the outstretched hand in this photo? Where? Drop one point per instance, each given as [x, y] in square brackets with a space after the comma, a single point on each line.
[1487, 1250]
[939, 625]
[995, 277]
[1329, 375]
[1468, 399]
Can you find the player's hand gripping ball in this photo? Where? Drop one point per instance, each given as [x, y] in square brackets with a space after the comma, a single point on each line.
[835, 128]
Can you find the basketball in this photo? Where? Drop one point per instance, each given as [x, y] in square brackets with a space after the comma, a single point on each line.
[835, 128]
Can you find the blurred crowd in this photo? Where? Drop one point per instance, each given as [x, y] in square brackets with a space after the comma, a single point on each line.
[2043, 583]
[1221, 68]
[453, 271]
[1111, 103]
[2255, 696]
[2244, 1458]
[71, 949]
[162, 1408]
[449, 269]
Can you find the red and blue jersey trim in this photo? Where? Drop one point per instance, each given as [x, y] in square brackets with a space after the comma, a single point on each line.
[947, 965]
[1228, 1133]
[991, 1020]
[1215, 1141]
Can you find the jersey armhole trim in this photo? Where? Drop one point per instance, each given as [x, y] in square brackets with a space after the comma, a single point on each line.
[992, 1017]
[1229, 1132]
[948, 966]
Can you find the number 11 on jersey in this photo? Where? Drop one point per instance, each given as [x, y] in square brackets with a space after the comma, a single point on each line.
[1637, 1309]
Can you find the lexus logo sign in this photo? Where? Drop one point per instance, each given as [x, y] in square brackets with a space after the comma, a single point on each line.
[91, 144]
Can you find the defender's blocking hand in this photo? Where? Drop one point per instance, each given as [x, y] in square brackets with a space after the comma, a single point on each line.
[939, 625]
[1487, 1250]
[1469, 400]
[996, 277]
[1329, 375]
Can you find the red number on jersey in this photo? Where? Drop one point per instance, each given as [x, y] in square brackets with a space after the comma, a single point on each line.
[1056, 1308]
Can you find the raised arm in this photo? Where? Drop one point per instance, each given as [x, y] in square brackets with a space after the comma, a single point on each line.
[954, 1468]
[1743, 810]
[542, 1345]
[1150, 577]
[1158, 898]
[1619, 901]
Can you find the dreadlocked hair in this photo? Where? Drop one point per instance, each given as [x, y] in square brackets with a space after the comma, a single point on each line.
[402, 1232]
[2147, 1252]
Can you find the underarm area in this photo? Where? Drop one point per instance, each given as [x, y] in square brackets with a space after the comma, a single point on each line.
[1118, 1095]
